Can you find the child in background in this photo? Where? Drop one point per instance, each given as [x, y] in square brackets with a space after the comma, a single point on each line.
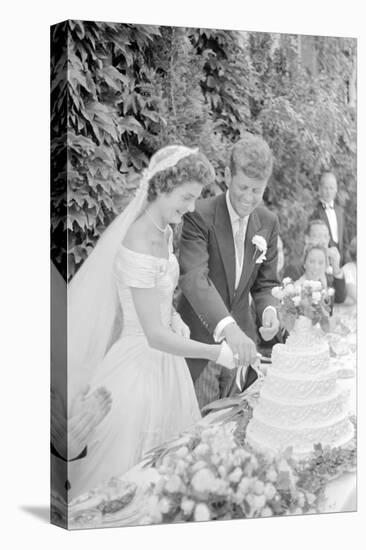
[315, 264]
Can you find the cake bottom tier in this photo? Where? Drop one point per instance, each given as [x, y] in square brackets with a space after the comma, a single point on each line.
[266, 438]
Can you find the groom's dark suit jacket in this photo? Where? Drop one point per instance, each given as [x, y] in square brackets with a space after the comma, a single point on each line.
[207, 264]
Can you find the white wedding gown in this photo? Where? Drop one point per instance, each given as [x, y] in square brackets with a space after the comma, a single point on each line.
[153, 397]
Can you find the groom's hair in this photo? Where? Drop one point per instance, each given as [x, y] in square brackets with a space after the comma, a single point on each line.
[252, 156]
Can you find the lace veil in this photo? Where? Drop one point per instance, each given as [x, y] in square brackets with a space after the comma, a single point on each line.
[93, 307]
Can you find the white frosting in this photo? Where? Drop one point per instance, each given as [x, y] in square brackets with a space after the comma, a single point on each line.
[300, 404]
[265, 438]
[301, 360]
[292, 388]
[317, 413]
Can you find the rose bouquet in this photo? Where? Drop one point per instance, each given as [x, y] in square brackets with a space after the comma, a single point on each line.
[220, 479]
[306, 298]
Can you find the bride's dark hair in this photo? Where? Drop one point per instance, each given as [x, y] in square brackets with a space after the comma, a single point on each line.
[193, 168]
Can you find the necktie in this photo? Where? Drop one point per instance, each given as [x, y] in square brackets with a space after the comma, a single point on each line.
[239, 240]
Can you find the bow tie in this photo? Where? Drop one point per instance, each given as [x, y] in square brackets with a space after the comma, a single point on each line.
[325, 206]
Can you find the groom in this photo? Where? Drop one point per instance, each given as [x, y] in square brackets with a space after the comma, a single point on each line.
[228, 250]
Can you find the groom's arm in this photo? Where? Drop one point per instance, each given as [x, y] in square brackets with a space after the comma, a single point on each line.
[267, 278]
[195, 283]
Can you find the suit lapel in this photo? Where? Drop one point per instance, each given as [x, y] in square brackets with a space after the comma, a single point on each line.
[224, 236]
[254, 225]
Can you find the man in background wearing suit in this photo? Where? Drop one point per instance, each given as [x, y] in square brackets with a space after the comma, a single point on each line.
[221, 264]
[332, 213]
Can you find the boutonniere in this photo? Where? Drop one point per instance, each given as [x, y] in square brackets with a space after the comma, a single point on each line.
[260, 244]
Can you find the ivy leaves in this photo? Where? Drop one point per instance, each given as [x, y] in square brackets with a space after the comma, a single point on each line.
[121, 91]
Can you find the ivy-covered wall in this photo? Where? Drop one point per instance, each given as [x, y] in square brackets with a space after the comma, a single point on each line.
[119, 92]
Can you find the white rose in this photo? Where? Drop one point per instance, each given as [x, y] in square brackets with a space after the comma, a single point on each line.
[260, 242]
[269, 491]
[164, 505]
[316, 297]
[203, 480]
[187, 506]
[286, 281]
[202, 449]
[290, 289]
[259, 501]
[215, 459]
[277, 293]
[271, 474]
[235, 476]
[221, 487]
[182, 452]
[331, 291]
[238, 497]
[174, 484]
[296, 300]
[244, 485]
[258, 487]
[201, 513]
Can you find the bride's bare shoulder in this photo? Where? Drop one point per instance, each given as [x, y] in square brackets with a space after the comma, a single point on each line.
[137, 238]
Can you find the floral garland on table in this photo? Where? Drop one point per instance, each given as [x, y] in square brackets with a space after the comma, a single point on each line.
[306, 298]
[215, 477]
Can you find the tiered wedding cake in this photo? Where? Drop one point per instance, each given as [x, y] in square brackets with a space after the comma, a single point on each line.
[300, 403]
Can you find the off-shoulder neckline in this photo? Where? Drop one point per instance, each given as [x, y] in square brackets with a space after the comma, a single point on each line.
[157, 258]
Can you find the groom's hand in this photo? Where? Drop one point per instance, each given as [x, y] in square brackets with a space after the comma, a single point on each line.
[270, 324]
[242, 346]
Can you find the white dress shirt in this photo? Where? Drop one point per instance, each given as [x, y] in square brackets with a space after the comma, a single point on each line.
[234, 219]
[332, 219]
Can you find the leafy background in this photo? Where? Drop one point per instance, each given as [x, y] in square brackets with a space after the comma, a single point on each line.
[120, 91]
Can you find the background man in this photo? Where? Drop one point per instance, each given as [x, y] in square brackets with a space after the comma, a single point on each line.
[331, 212]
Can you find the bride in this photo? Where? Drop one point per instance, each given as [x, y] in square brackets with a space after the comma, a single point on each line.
[123, 332]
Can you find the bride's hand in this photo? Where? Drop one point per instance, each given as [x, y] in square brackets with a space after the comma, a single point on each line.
[226, 357]
[178, 326]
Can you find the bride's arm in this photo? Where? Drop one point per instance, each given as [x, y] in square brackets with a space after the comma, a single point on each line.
[147, 306]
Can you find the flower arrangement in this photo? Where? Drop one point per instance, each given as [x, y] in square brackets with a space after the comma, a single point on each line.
[306, 298]
[220, 479]
[215, 476]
